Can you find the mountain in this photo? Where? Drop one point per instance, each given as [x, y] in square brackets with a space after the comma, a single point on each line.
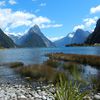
[15, 38]
[77, 37]
[80, 36]
[64, 41]
[34, 38]
[6, 41]
[95, 36]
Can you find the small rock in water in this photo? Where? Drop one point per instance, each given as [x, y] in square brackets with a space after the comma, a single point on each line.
[98, 93]
[22, 97]
[96, 97]
[87, 98]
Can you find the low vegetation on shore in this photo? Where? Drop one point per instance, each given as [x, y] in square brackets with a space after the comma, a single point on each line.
[41, 73]
[83, 59]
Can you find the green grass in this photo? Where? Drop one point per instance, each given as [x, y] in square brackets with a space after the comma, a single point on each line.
[67, 90]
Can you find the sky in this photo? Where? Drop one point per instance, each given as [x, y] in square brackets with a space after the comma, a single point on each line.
[56, 18]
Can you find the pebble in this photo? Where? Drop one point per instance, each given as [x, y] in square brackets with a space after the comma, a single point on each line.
[87, 98]
[26, 92]
[21, 92]
[96, 97]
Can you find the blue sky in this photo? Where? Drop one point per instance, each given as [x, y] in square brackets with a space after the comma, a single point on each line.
[56, 18]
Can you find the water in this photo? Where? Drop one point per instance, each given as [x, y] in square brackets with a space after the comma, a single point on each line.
[36, 55]
[8, 75]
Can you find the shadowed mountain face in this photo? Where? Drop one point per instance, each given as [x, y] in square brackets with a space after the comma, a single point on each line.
[77, 37]
[80, 36]
[34, 38]
[5, 41]
[95, 36]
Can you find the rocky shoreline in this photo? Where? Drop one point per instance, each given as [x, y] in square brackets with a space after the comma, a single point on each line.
[23, 92]
[14, 87]
[27, 92]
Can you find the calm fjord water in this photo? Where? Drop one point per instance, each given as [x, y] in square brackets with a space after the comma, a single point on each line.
[36, 55]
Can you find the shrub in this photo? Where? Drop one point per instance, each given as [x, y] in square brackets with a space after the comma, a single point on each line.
[52, 63]
[67, 90]
[39, 73]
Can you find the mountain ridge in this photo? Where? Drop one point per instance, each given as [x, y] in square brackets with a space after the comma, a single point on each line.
[77, 37]
[34, 38]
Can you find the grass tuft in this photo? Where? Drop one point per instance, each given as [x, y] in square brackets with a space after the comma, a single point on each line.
[67, 90]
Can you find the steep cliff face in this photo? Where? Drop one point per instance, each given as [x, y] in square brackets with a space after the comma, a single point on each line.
[95, 36]
[6, 41]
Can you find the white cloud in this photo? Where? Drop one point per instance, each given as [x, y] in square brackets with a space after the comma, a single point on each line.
[43, 4]
[78, 27]
[21, 19]
[55, 38]
[14, 19]
[94, 10]
[5, 17]
[90, 21]
[50, 25]
[14, 33]
[12, 2]
[39, 20]
[37, 10]
[2, 3]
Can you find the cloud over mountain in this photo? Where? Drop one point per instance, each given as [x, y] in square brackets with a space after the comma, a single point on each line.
[10, 19]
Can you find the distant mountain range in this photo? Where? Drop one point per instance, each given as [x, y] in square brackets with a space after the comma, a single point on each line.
[5, 41]
[35, 38]
[77, 37]
[95, 36]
